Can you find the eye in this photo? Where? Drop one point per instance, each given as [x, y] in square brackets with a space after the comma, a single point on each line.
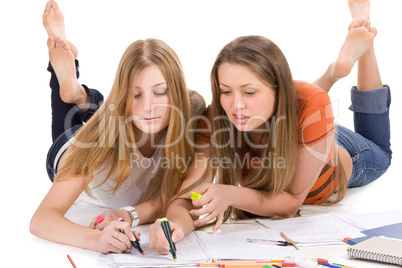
[137, 95]
[161, 93]
[225, 92]
[249, 93]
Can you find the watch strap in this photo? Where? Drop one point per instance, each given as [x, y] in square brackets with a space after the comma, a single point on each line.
[133, 213]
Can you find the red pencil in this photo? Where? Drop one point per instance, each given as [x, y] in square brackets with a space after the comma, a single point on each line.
[71, 260]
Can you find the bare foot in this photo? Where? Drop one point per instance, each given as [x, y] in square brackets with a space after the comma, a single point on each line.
[53, 20]
[62, 60]
[359, 9]
[359, 40]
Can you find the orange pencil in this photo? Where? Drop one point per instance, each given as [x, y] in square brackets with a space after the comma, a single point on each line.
[261, 265]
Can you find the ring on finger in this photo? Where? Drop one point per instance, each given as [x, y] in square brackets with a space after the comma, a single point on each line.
[116, 234]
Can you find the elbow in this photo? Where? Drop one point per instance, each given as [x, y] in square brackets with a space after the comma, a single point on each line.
[290, 211]
[294, 208]
[294, 212]
[34, 225]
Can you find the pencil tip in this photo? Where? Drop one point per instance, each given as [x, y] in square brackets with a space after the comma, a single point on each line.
[175, 260]
[142, 253]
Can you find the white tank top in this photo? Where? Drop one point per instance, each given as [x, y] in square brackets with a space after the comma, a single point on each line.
[143, 169]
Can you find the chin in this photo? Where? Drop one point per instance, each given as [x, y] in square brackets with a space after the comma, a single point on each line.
[242, 128]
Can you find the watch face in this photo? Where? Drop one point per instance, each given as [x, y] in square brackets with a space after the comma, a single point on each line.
[135, 213]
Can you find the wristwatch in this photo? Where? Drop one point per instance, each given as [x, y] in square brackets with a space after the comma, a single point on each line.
[132, 212]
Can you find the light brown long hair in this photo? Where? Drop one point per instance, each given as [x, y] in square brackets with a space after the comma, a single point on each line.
[266, 60]
[107, 139]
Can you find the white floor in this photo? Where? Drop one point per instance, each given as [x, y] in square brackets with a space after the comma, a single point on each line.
[310, 34]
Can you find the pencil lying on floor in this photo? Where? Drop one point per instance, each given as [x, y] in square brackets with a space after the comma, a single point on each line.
[289, 241]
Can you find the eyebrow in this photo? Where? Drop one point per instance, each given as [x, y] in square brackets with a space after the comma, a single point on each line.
[153, 86]
[159, 84]
[245, 85]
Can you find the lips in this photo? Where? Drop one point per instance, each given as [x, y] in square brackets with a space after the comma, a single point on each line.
[240, 119]
[150, 119]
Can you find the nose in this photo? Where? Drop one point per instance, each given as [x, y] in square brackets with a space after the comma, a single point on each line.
[239, 103]
[147, 107]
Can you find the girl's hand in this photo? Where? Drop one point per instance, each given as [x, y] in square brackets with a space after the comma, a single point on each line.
[102, 220]
[216, 198]
[157, 238]
[116, 237]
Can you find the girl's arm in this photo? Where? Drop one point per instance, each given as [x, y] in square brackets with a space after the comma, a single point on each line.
[178, 209]
[218, 197]
[181, 222]
[147, 212]
[49, 222]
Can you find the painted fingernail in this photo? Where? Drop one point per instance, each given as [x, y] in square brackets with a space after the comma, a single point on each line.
[99, 219]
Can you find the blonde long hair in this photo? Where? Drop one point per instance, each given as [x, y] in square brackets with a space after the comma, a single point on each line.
[265, 59]
[107, 139]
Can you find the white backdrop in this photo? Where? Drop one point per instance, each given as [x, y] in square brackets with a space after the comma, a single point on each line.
[309, 32]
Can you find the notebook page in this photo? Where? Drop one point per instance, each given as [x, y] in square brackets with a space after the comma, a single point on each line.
[188, 251]
[370, 220]
[234, 246]
[324, 229]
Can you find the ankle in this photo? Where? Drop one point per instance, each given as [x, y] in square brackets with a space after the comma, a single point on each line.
[82, 101]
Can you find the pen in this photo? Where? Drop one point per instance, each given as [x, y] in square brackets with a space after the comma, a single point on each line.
[341, 265]
[249, 262]
[262, 265]
[330, 265]
[135, 243]
[243, 265]
[320, 260]
[289, 241]
[269, 242]
[221, 263]
[168, 233]
[304, 263]
[71, 261]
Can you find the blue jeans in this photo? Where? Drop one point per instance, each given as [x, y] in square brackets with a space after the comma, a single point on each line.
[66, 119]
[369, 146]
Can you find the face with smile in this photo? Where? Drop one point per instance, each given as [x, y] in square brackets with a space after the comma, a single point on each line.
[150, 109]
[247, 100]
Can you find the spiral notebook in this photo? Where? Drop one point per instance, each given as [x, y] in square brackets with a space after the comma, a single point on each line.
[378, 249]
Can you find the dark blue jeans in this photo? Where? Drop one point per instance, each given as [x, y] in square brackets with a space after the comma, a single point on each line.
[369, 146]
[66, 119]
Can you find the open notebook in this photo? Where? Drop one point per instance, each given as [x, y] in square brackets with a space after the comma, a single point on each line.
[205, 247]
[379, 249]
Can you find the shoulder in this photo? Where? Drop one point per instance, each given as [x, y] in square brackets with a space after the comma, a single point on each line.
[204, 128]
[315, 115]
[309, 94]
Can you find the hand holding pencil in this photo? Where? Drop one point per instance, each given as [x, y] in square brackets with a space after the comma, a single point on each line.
[157, 238]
